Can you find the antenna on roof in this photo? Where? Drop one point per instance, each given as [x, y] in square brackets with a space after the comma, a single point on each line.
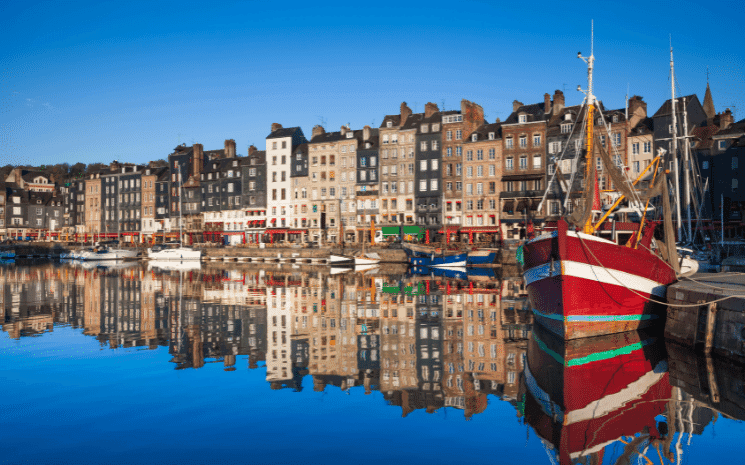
[443, 104]
[322, 119]
[707, 74]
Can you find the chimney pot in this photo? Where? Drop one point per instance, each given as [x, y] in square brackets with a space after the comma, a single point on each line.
[547, 103]
[516, 104]
[276, 126]
[405, 113]
[726, 119]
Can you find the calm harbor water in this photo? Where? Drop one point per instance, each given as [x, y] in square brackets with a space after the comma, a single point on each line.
[294, 365]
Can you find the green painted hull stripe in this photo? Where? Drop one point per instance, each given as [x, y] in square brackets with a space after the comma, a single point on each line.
[596, 357]
[593, 318]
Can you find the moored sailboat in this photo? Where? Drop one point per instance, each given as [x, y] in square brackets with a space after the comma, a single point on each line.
[582, 285]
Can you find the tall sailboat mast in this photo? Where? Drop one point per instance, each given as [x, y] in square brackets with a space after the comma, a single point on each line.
[590, 97]
[674, 151]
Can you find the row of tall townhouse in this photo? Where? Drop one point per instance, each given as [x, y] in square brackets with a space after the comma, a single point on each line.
[440, 170]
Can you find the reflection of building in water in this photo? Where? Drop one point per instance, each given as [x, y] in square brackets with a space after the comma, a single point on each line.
[425, 344]
[397, 342]
[30, 300]
[280, 302]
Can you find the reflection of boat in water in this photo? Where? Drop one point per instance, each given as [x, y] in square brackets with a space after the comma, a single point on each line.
[458, 272]
[481, 257]
[173, 265]
[586, 394]
[369, 258]
[420, 255]
[114, 264]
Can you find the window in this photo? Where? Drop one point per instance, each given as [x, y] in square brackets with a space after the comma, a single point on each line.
[363, 161]
[433, 184]
[458, 134]
[647, 147]
[508, 142]
[536, 140]
[616, 138]
[423, 165]
[423, 185]
[479, 171]
[492, 154]
[523, 142]
[479, 154]
[734, 183]
[566, 128]
[469, 189]
[722, 144]
[635, 148]
[434, 164]
[554, 147]
[479, 189]
[536, 162]
[492, 170]
[523, 162]
[734, 163]
[537, 185]
[449, 135]
[423, 145]
[636, 166]
[458, 169]
[509, 163]
[522, 118]
[469, 155]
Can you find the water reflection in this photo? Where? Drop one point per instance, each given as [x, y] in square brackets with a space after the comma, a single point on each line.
[425, 341]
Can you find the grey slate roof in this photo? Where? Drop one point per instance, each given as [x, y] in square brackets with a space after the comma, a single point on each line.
[282, 132]
[666, 108]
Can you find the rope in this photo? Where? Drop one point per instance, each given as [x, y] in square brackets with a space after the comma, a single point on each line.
[650, 297]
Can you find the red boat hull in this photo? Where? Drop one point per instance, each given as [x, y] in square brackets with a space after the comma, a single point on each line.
[583, 286]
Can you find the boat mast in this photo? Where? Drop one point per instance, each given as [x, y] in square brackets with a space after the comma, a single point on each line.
[180, 221]
[674, 151]
[588, 229]
[687, 170]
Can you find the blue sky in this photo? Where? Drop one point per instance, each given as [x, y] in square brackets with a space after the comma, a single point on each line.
[99, 81]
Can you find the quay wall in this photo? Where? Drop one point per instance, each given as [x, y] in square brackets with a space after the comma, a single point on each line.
[701, 317]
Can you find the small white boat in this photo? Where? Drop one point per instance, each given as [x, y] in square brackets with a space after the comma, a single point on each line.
[340, 260]
[180, 253]
[106, 254]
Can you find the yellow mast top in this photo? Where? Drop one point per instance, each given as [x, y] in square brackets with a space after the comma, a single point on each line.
[588, 228]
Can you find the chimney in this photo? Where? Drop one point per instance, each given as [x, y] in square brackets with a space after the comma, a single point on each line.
[343, 130]
[516, 104]
[405, 113]
[558, 102]
[637, 110]
[197, 160]
[430, 109]
[547, 103]
[276, 126]
[473, 116]
[252, 149]
[366, 133]
[725, 119]
[317, 131]
[229, 148]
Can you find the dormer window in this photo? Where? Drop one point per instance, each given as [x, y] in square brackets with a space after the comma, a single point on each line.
[474, 137]
[522, 118]
[350, 134]
[615, 118]
[389, 124]
[424, 128]
[566, 128]
[568, 117]
[435, 127]
[235, 162]
[491, 136]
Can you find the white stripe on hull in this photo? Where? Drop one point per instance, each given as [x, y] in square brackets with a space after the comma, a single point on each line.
[594, 273]
[450, 265]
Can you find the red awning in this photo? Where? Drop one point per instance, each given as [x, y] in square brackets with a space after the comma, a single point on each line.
[481, 229]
